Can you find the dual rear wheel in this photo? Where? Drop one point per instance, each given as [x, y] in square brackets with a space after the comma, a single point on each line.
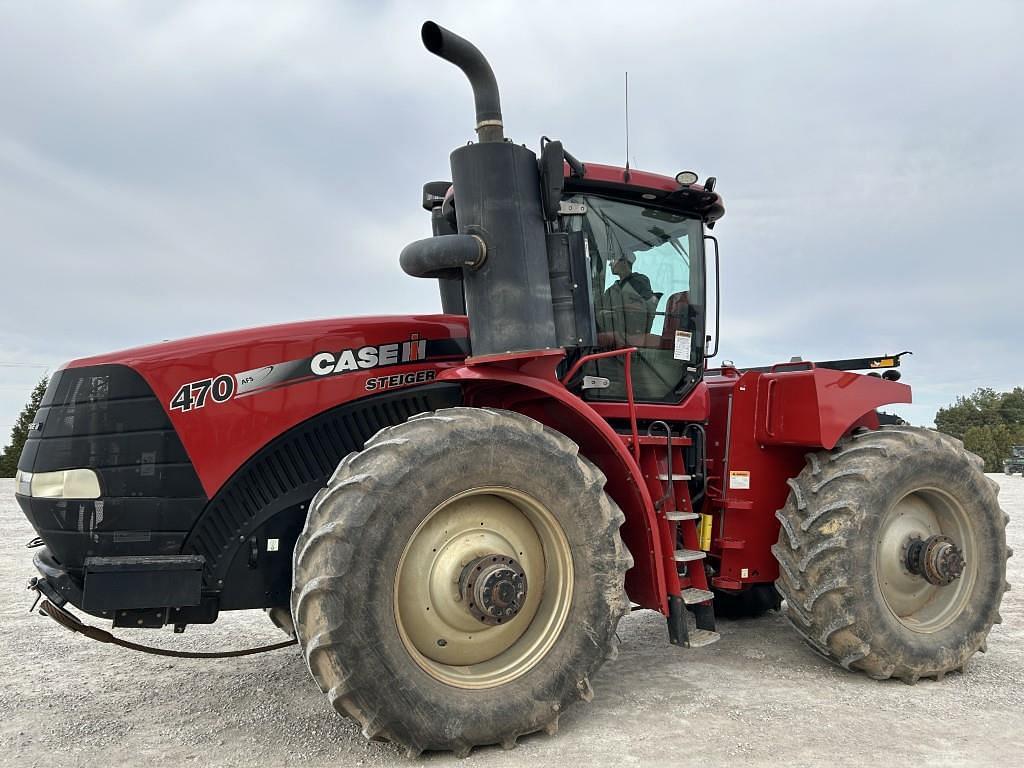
[892, 553]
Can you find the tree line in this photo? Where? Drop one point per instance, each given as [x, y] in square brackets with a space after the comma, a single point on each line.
[19, 433]
[988, 422]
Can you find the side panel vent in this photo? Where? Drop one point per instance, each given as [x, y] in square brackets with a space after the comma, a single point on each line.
[292, 468]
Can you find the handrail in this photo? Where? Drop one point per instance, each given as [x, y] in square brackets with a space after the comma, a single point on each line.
[628, 352]
[595, 356]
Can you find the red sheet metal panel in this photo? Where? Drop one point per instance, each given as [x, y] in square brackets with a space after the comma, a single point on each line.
[278, 376]
[814, 408]
[760, 428]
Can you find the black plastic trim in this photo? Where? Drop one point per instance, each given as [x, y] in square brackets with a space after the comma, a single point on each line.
[290, 470]
[106, 418]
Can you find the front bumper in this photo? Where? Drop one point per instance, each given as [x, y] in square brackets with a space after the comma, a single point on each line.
[57, 584]
[130, 591]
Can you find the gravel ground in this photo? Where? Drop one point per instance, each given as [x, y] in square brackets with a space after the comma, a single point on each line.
[759, 696]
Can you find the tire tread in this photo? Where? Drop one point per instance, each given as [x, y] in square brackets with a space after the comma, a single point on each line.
[357, 475]
[822, 511]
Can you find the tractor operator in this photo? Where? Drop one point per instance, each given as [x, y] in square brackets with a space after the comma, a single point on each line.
[627, 306]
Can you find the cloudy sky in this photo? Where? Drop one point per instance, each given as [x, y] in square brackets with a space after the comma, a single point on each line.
[169, 169]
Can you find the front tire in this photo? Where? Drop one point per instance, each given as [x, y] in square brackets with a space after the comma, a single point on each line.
[850, 553]
[400, 624]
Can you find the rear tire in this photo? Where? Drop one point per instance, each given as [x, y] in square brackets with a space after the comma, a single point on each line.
[842, 554]
[367, 623]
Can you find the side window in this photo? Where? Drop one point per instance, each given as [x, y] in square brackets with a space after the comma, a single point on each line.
[667, 266]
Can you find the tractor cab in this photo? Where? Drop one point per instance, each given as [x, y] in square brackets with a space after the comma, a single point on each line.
[644, 246]
[647, 291]
[626, 257]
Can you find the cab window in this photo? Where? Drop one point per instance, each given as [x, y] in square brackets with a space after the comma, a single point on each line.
[648, 284]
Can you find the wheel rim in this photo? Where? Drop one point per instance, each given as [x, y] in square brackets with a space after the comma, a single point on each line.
[918, 604]
[433, 589]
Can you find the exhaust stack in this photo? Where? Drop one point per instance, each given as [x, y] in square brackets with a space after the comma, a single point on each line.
[467, 57]
[500, 248]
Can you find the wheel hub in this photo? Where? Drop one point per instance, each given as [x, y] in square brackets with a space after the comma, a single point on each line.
[493, 588]
[926, 559]
[937, 559]
[462, 602]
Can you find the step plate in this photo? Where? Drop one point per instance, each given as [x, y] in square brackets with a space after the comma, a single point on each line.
[677, 516]
[701, 637]
[692, 596]
[688, 555]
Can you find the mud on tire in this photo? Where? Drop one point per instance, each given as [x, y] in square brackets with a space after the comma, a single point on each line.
[344, 598]
[836, 580]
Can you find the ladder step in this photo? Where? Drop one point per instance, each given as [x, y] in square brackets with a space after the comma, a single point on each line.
[687, 555]
[664, 476]
[676, 516]
[700, 637]
[692, 595]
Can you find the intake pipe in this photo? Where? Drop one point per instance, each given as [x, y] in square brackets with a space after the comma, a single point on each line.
[443, 256]
[467, 57]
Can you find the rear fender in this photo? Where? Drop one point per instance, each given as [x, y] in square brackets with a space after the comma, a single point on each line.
[814, 408]
[761, 428]
[543, 398]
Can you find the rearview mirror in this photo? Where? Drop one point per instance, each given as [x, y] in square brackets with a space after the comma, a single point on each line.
[552, 178]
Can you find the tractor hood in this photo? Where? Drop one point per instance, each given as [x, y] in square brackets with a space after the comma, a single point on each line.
[227, 394]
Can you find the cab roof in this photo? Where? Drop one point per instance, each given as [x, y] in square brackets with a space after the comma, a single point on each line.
[646, 188]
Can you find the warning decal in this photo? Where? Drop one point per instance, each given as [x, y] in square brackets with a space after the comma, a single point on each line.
[739, 480]
[681, 351]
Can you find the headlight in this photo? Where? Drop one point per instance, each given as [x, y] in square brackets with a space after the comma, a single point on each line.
[63, 484]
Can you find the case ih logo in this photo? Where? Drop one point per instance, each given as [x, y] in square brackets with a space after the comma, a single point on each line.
[197, 394]
[327, 363]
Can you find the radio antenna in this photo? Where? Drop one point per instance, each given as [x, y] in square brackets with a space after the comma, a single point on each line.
[626, 175]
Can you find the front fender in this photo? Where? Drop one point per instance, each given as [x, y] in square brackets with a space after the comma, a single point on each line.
[542, 397]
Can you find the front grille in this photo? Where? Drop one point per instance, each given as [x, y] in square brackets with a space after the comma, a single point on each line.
[106, 418]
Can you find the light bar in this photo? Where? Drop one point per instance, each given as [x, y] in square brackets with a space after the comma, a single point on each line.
[62, 484]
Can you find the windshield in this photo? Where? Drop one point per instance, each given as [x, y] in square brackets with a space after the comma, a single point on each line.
[648, 289]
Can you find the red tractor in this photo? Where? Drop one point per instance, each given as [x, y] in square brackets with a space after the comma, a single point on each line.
[451, 513]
